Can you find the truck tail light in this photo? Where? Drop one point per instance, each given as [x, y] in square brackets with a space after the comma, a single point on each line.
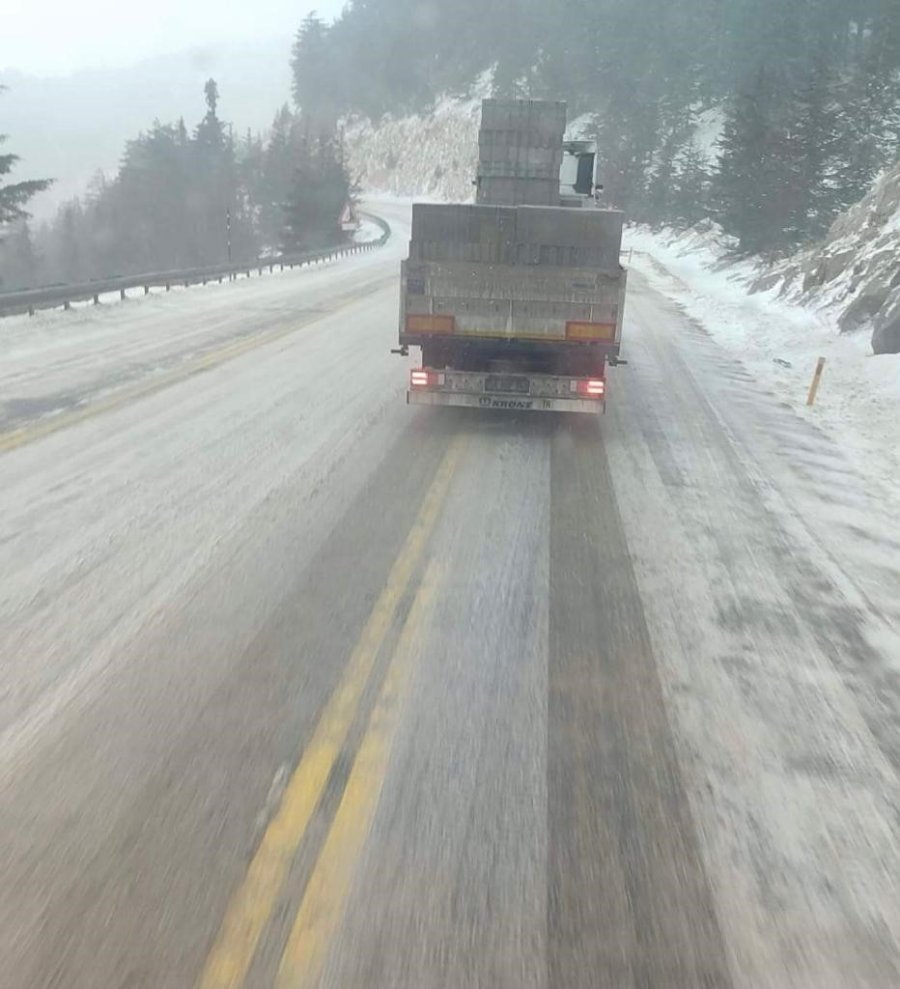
[430, 323]
[420, 378]
[590, 331]
[592, 388]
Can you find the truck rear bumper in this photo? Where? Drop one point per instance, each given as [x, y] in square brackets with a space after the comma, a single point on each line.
[513, 403]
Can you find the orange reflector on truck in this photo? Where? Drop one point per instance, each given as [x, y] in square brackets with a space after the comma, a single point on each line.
[430, 323]
[590, 331]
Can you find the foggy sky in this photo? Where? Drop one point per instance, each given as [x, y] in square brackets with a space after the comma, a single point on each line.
[58, 36]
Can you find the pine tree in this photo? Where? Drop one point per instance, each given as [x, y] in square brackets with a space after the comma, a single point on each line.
[210, 134]
[816, 143]
[748, 191]
[691, 182]
[15, 196]
[278, 162]
[668, 161]
[223, 228]
[19, 260]
[320, 189]
[870, 120]
[71, 260]
[314, 78]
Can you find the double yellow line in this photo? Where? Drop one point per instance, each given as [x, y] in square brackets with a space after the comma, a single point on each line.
[321, 909]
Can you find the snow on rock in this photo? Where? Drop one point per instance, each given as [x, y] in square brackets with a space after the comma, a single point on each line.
[854, 274]
[780, 339]
[708, 132]
[431, 156]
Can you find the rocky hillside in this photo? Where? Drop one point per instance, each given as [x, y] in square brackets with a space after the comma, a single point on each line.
[855, 270]
[426, 157]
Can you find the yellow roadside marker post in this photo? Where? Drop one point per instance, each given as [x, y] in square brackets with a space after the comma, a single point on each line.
[816, 381]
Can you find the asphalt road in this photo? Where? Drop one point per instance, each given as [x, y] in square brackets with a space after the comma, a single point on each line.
[305, 688]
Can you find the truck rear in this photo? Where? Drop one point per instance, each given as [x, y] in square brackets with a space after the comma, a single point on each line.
[517, 301]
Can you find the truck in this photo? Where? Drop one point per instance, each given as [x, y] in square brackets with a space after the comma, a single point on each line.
[516, 301]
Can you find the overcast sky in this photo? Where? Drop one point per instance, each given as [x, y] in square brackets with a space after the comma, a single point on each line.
[60, 36]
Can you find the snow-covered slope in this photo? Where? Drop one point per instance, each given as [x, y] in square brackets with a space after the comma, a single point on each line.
[432, 156]
[854, 274]
[779, 340]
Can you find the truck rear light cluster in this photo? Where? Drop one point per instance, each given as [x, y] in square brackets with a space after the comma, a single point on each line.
[592, 387]
[420, 378]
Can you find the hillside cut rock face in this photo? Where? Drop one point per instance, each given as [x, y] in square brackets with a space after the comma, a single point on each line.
[857, 268]
[886, 338]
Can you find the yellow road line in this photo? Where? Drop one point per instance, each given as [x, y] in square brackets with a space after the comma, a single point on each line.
[53, 424]
[252, 904]
[324, 901]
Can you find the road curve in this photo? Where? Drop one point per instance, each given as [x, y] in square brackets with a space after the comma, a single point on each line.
[302, 687]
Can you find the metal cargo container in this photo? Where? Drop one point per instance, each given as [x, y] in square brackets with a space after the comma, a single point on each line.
[514, 191]
[589, 237]
[520, 152]
[527, 116]
[462, 223]
[535, 163]
[527, 235]
[484, 234]
[504, 302]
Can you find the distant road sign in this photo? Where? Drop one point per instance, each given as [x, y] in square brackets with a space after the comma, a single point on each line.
[349, 221]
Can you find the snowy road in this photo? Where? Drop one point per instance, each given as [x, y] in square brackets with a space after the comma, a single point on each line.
[302, 687]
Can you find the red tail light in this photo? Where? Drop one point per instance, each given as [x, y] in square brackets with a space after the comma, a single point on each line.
[420, 378]
[592, 387]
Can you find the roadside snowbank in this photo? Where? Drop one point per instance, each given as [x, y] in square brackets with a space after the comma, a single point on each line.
[780, 342]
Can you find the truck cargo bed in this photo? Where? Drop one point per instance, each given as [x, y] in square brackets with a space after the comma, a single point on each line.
[546, 305]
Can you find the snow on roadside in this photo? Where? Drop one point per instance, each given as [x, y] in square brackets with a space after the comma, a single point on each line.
[367, 231]
[780, 342]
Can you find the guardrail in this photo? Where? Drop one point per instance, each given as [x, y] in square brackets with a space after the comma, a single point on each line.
[56, 296]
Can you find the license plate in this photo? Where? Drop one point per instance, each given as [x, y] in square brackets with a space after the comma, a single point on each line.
[513, 384]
